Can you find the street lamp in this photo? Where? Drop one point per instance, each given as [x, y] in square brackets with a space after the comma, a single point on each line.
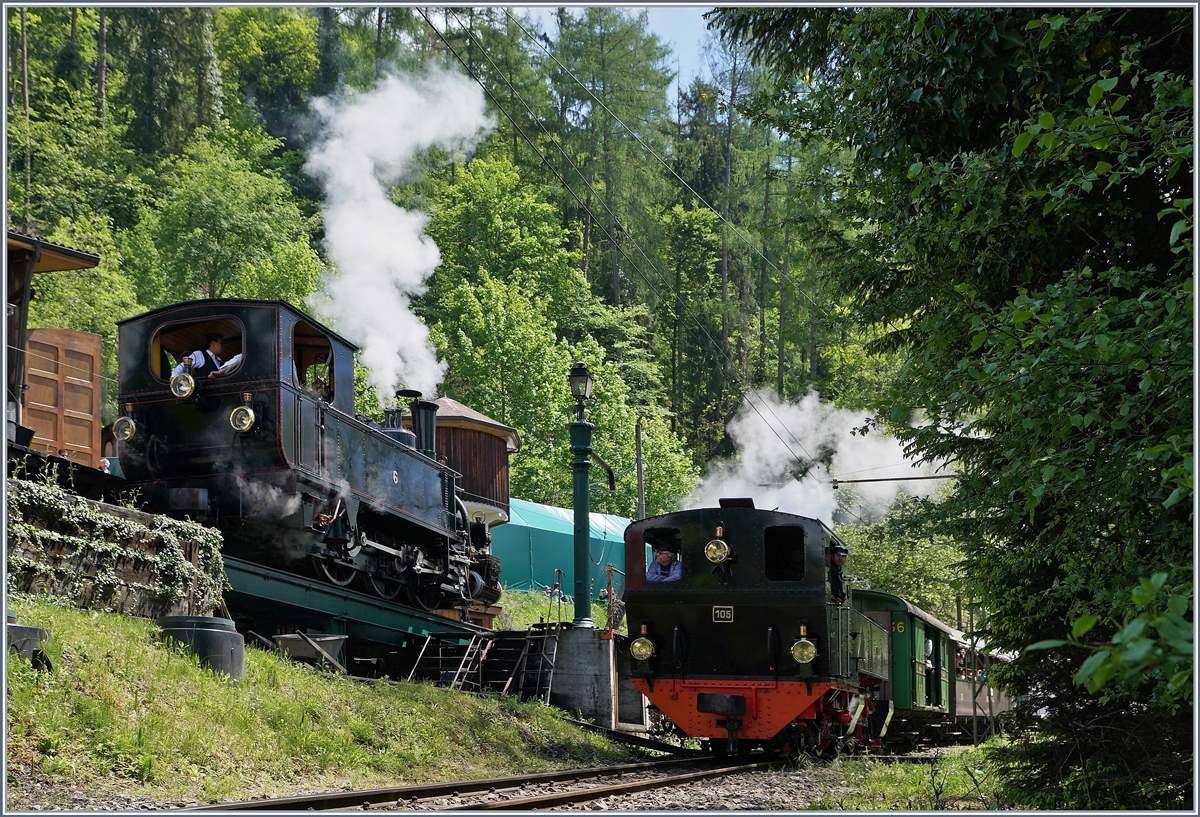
[581, 449]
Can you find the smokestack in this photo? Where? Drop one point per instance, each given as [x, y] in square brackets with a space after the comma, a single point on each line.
[424, 416]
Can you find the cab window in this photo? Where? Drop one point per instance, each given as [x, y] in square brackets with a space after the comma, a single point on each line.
[659, 540]
[783, 548]
[174, 341]
[312, 362]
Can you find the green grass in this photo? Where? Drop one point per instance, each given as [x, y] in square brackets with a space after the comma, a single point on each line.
[122, 713]
[525, 607]
[959, 778]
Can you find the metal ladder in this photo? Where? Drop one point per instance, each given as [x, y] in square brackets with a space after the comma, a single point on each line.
[472, 665]
[536, 670]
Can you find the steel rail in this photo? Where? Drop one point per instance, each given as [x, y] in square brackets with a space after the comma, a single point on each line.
[326, 801]
[566, 798]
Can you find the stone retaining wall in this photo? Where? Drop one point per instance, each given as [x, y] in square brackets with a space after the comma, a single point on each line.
[105, 557]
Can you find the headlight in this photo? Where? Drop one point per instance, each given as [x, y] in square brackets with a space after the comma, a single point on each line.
[804, 651]
[183, 385]
[124, 429]
[641, 649]
[242, 418]
[716, 551]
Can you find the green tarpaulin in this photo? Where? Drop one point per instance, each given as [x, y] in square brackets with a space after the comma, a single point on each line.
[539, 540]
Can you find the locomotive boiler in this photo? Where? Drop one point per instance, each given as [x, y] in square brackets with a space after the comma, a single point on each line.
[267, 447]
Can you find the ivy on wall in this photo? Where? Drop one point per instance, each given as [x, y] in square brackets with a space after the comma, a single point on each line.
[103, 557]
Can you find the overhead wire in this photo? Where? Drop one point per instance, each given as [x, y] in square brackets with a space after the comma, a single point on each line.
[746, 393]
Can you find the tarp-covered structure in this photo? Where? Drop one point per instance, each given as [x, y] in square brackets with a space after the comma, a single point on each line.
[540, 539]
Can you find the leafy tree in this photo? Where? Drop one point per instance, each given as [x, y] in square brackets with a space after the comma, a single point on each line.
[1016, 221]
[91, 300]
[488, 221]
[507, 363]
[269, 60]
[898, 555]
[173, 83]
[223, 230]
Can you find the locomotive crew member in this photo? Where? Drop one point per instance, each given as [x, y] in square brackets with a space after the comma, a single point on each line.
[664, 568]
[208, 363]
[837, 560]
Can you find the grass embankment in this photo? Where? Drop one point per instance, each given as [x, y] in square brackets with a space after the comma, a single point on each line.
[525, 607]
[959, 778]
[122, 713]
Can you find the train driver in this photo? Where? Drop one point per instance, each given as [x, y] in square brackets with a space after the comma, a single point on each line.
[208, 362]
[837, 560]
[665, 567]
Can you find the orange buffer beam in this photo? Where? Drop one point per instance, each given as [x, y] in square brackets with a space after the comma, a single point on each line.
[770, 705]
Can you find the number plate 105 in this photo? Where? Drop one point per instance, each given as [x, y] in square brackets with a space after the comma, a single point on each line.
[722, 614]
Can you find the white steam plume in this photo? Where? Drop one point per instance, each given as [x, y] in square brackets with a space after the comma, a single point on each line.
[381, 251]
[772, 437]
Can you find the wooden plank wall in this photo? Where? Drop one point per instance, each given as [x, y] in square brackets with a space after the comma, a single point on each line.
[63, 402]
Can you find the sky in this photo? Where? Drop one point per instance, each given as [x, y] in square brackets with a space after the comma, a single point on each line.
[680, 27]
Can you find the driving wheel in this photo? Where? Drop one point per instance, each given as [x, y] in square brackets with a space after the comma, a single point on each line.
[424, 592]
[385, 587]
[334, 571]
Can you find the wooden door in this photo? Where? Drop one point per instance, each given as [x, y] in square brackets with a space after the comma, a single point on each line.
[63, 402]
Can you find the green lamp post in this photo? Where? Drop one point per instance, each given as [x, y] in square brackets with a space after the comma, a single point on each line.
[581, 449]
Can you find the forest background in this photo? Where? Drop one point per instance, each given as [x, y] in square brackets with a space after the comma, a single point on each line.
[973, 226]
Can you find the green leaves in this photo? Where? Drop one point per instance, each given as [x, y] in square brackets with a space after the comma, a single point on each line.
[1021, 143]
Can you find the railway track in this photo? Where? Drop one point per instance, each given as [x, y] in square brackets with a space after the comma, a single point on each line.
[522, 792]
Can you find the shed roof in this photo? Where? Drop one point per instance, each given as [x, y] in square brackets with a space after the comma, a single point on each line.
[454, 414]
[53, 257]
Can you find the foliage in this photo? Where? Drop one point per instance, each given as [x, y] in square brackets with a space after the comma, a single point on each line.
[1157, 640]
[173, 83]
[269, 60]
[1016, 221]
[898, 555]
[123, 713]
[223, 230]
[76, 550]
[91, 300]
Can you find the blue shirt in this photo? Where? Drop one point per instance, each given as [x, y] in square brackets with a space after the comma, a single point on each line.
[672, 574]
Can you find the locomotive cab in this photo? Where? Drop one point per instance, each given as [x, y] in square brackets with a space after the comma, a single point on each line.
[267, 447]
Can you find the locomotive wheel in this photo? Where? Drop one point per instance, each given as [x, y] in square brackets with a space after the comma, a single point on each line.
[423, 592]
[384, 587]
[335, 572]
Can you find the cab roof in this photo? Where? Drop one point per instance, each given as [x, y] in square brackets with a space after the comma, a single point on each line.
[234, 302]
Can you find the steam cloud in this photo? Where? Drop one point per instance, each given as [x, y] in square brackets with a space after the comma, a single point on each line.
[381, 252]
[772, 437]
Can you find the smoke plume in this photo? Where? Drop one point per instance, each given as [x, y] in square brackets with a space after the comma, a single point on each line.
[774, 439]
[382, 254]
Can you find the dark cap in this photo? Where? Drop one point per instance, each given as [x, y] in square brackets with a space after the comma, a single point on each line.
[839, 549]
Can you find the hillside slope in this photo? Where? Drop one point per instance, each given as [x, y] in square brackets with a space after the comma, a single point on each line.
[123, 721]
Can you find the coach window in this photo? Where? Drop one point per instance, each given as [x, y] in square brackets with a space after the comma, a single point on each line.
[783, 546]
[663, 539]
[312, 362]
[174, 341]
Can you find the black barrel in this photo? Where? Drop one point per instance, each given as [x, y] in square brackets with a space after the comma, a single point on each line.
[215, 641]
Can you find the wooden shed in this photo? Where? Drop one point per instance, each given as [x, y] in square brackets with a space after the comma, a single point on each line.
[477, 447]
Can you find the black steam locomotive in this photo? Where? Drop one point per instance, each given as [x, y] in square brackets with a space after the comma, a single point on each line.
[746, 648]
[260, 439]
